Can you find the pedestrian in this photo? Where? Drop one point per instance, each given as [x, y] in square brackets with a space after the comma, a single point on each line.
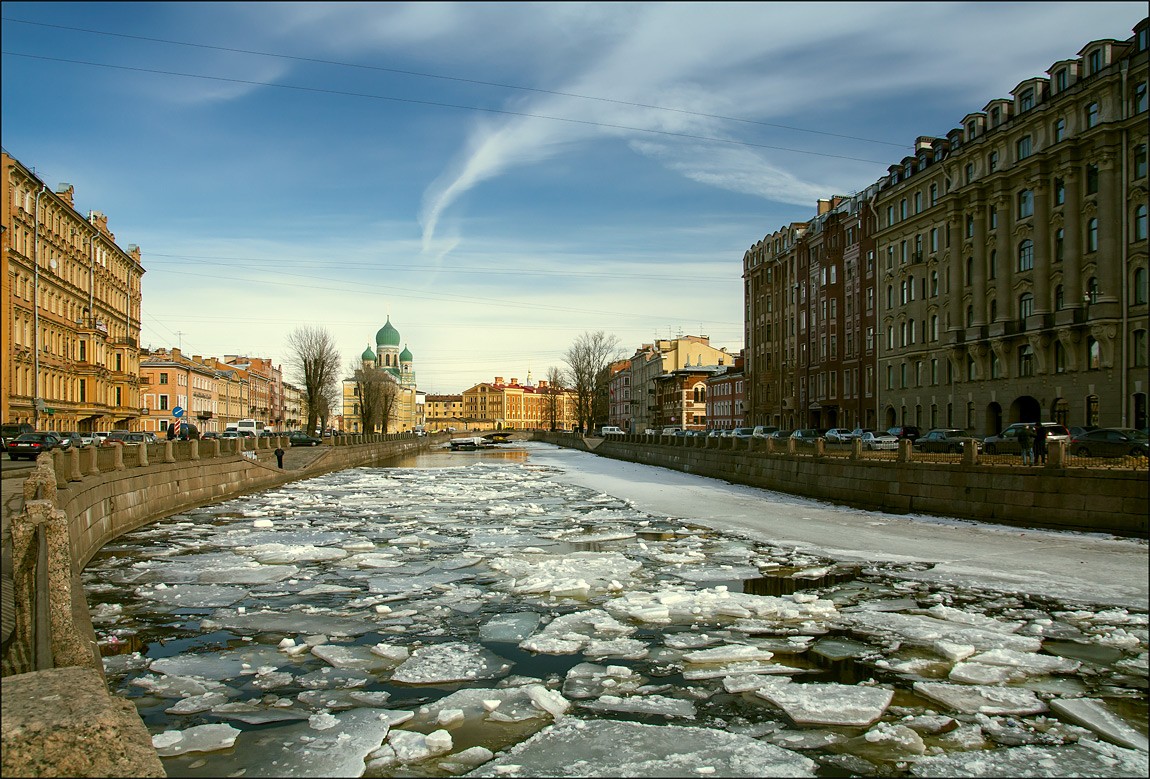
[1026, 444]
[1039, 444]
[280, 456]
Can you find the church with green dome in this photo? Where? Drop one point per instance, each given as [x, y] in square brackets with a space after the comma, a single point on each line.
[397, 364]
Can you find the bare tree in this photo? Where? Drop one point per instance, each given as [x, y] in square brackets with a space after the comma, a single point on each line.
[553, 399]
[378, 393]
[315, 360]
[588, 360]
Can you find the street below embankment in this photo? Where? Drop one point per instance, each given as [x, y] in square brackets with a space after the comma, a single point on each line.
[1091, 568]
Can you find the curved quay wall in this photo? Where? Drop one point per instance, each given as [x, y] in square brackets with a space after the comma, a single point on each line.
[58, 716]
[1052, 496]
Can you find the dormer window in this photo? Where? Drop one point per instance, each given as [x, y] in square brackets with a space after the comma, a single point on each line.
[1061, 79]
[1026, 100]
[995, 117]
[971, 130]
[1095, 61]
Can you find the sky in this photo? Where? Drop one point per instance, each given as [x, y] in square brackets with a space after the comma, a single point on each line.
[495, 178]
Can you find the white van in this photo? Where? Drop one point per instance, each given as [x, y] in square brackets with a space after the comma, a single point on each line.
[611, 430]
[251, 426]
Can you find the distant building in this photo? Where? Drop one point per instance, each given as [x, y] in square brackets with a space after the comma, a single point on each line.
[726, 397]
[648, 363]
[441, 412]
[501, 405]
[394, 365]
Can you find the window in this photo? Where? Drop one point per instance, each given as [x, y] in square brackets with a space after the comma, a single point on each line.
[1059, 130]
[969, 173]
[1025, 306]
[1092, 234]
[934, 327]
[163, 378]
[969, 226]
[1061, 79]
[1140, 289]
[995, 367]
[934, 239]
[995, 117]
[1140, 97]
[992, 264]
[1140, 161]
[1138, 357]
[1059, 244]
[969, 271]
[902, 209]
[992, 161]
[1059, 357]
[934, 283]
[163, 403]
[1023, 147]
[1093, 114]
[1140, 223]
[1059, 298]
[1093, 355]
[1095, 61]
[918, 202]
[1025, 360]
[1091, 179]
[1059, 192]
[889, 215]
[1026, 100]
[993, 218]
[1092, 290]
[1026, 255]
[971, 130]
[970, 316]
[934, 187]
[1025, 204]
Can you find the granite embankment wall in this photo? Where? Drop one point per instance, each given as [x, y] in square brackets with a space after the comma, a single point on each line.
[58, 717]
[1107, 500]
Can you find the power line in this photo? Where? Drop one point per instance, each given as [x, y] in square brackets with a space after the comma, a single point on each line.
[419, 74]
[433, 103]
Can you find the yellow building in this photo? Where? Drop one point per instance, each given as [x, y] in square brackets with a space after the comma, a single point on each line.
[211, 393]
[514, 406]
[441, 412]
[71, 312]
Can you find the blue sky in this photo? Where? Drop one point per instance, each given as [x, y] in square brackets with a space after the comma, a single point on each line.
[496, 178]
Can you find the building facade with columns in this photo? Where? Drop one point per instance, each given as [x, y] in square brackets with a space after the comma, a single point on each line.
[1013, 256]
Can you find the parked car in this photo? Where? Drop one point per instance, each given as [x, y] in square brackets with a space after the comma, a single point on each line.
[1077, 431]
[32, 445]
[878, 441]
[1006, 442]
[670, 430]
[947, 440]
[12, 431]
[781, 435]
[612, 430]
[858, 432]
[1111, 442]
[77, 440]
[806, 435]
[743, 432]
[904, 431]
[209, 435]
[302, 439]
[230, 434]
[100, 436]
[763, 431]
[839, 435]
[129, 438]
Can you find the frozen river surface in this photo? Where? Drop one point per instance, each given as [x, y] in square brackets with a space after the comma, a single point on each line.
[542, 612]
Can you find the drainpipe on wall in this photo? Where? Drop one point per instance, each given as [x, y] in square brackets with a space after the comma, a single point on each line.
[1123, 377]
[36, 312]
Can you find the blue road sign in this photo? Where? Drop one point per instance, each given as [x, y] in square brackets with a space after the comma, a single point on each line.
[178, 412]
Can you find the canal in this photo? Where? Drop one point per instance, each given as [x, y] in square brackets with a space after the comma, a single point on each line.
[506, 613]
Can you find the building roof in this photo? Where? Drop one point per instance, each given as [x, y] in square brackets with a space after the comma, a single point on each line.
[368, 355]
[405, 355]
[387, 335]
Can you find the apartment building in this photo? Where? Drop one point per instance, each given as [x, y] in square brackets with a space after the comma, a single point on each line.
[725, 390]
[209, 392]
[996, 275]
[443, 411]
[1013, 256]
[501, 405]
[70, 304]
[648, 363]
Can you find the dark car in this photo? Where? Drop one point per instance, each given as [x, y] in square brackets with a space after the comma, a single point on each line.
[12, 431]
[806, 435]
[948, 440]
[904, 431]
[32, 445]
[303, 439]
[1110, 442]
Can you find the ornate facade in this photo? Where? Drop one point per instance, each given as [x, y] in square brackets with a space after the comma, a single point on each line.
[71, 312]
[395, 366]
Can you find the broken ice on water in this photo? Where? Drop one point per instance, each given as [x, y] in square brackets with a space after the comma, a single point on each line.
[411, 621]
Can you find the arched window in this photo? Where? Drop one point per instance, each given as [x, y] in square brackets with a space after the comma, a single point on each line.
[1059, 357]
[1025, 361]
[1026, 255]
[1025, 306]
[700, 393]
[1140, 288]
[995, 367]
[1092, 234]
[1093, 355]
